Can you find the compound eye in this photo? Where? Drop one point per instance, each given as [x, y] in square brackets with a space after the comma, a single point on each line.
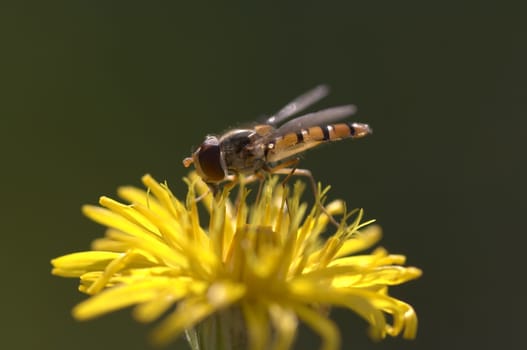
[209, 160]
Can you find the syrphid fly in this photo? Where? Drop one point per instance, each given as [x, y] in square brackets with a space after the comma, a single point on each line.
[267, 147]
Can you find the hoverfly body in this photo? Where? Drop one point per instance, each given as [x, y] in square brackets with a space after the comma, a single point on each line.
[273, 148]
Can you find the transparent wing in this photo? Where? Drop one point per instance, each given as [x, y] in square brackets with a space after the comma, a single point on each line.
[323, 117]
[299, 104]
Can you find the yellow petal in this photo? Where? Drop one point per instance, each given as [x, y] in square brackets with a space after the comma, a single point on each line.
[364, 239]
[163, 252]
[121, 296]
[203, 190]
[129, 213]
[390, 275]
[110, 219]
[106, 244]
[141, 197]
[379, 257]
[358, 300]
[322, 275]
[285, 324]
[177, 238]
[165, 198]
[77, 264]
[188, 313]
[257, 322]
[113, 267]
[195, 309]
[326, 328]
[404, 317]
[223, 293]
[156, 307]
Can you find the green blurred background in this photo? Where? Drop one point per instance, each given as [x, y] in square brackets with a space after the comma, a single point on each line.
[96, 93]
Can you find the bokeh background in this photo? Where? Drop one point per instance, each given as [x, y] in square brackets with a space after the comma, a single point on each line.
[96, 93]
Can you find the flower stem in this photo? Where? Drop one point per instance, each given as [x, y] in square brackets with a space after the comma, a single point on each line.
[224, 330]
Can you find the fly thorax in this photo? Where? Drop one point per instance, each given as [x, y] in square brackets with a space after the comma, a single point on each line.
[241, 152]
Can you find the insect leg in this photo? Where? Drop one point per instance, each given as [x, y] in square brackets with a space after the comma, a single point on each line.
[260, 177]
[304, 172]
[242, 181]
[214, 187]
[286, 168]
[198, 199]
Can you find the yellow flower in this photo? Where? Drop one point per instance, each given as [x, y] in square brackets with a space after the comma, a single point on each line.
[245, 279]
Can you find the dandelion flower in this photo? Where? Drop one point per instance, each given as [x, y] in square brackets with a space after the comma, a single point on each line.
[246, 278]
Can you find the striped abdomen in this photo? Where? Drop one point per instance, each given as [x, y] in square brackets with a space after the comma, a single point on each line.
[292, 143]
